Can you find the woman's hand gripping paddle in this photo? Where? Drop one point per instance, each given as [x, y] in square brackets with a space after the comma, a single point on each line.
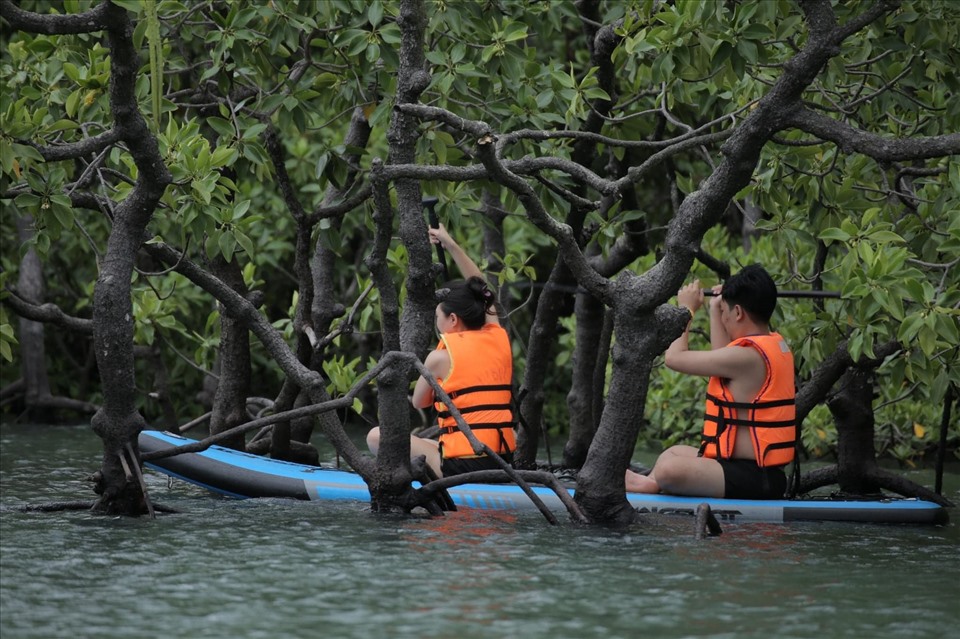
[430, 203]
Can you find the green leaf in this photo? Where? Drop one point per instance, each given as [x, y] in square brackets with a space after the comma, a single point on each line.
[244, 241]
[756, 31]
[223, 156]
[439, 149]
[200, 191]
[885, 236]
[254, 131]
[211, 245]
[133, 6]
[597, 93]
[28, 201]
[939, 387]
[564, 79]
[64, 215]
[748, 49]
[927, 338]
[834, 234]
[222, 126]
[515, 31]
[663, 67]
[146, 332]
[947, 328]
[855, 345]
[59, 125]
[228, 244]
[375, 13]
[867, 254]
[915, 289]
[240, 210]
[849, 227]
[891, 303]
[321, 165]
[325, 80]
[73, 103]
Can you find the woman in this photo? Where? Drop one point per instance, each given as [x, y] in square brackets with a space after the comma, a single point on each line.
[474, 365]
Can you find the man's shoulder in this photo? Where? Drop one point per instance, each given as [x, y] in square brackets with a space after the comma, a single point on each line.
[765, 340]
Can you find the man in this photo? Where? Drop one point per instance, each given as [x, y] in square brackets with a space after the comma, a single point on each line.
[750, 422]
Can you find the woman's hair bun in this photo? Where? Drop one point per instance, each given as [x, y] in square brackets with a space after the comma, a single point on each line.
[472, 300]
[480, 289]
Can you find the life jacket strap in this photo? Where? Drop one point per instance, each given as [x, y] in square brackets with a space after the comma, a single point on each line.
[480, 389]
[778, 445]
[473, 409]
[752, 423]
[498, 425]
[707, 440]
[773, 403]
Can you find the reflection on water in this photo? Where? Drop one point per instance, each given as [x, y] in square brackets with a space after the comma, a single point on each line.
[273, 568]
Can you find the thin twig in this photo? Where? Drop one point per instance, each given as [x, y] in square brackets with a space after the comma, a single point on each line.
[128, 474]
[194, 423]
[143, 485]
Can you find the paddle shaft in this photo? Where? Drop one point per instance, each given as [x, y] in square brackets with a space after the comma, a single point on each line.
[813, 294]
[430, 203]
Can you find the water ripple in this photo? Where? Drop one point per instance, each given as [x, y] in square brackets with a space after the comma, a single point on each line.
[276, 569]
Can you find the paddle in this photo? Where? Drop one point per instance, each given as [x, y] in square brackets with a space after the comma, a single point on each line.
[812, 294]
[429, 203]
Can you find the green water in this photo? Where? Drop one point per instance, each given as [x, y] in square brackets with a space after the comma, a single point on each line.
[277, 569]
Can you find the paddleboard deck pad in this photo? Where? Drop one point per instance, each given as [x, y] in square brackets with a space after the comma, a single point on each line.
[243, 475]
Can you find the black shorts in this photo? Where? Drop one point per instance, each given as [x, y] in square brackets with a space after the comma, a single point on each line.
[460, 465]
[743, 479]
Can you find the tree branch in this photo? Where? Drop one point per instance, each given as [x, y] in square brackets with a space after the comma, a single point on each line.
[883, 6]
[48, 313]
[271, 339]
[275, 151]
[492, 476]
[882, 149]
[588, 278]
[337, 210]
[475, 128]
[86, 22]
[77, 149]
[815, 390]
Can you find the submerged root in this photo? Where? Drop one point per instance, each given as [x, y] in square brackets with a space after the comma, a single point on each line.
[62, 506]
[706, 522]
[881, 478]
[56, 506]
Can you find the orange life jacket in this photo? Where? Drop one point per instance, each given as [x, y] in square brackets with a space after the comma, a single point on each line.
[481, 371]
[771, 416]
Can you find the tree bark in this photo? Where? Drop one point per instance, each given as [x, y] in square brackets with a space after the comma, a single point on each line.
[118, 422]
[594, 333]
[410, 332]
[540, 343]
[852, 410]
[230, 400]
[390, 488]
[33, 360]
[494, 247]
[589, 312]
[641, 337]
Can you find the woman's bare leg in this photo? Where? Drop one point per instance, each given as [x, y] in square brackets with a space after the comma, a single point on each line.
[679, 471]
[418, 446]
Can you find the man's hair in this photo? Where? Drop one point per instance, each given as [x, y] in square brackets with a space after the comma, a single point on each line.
[754, 290]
